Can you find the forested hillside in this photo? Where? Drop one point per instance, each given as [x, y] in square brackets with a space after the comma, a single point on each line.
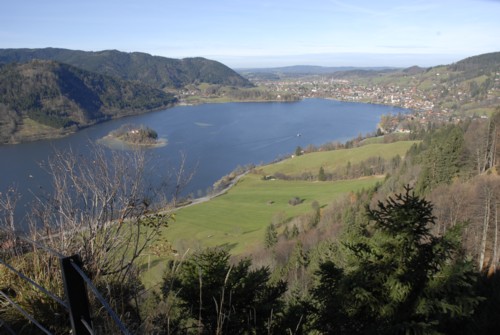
[340, 260]
[160, 72]
[60, 98]
[454, 166]
[50, 92]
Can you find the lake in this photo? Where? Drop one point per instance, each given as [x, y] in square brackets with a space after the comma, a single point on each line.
[217, 138]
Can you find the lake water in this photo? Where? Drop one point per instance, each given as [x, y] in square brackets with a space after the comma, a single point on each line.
[217, 138]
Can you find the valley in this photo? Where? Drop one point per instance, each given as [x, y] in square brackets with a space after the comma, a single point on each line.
[324, 203]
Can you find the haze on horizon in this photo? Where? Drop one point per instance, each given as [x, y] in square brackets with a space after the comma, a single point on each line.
[262, 33]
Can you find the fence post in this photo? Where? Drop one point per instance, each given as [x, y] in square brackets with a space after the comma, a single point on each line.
[76, 293]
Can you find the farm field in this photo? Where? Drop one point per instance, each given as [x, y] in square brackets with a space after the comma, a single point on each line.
[238, 218]
[330, 160]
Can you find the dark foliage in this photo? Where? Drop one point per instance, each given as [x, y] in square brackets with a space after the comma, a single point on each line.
[485, 62]
[442, 157]
[225, 298]
[136, 135]
[156, 71]
[399, 279]
[59, 96]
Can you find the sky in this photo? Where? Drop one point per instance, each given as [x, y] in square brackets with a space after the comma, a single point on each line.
[262, 33]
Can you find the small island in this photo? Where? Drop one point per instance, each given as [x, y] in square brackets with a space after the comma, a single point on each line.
[136, 135]
[132, 136]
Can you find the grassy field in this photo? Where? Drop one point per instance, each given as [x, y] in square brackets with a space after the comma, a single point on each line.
[238, 219]
[381, 139]
[32, 130]
[332, 159]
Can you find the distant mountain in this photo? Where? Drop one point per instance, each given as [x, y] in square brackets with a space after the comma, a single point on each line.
[472, 67]
[414, 70]
[43, 98]
[485, 62]
[160, 72]
[361, 73]
[306, 70]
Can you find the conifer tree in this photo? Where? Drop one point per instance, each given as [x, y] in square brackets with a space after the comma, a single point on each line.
[298, 151]
[271, 237]
[222, 298]
[443, 158]
[321, 174]
[399, 278]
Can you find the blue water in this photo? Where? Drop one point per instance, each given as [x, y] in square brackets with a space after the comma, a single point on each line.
[216, 138]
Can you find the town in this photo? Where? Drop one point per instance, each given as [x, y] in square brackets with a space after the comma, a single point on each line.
[430, 103]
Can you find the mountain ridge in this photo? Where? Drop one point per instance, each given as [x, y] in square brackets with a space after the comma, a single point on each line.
[310, 69]
[58, 98]
[160, 72]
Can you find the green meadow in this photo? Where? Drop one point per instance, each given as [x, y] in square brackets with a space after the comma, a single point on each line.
[238, 218]
[330, 160]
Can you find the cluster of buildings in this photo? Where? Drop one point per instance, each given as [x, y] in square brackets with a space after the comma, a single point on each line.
[344, 90]
[429, 107]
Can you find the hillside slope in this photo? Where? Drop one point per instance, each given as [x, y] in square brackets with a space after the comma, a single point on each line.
[470, 86]
[54, 98]
[160, 72]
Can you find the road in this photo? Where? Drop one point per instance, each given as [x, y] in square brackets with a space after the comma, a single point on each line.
[209, 197]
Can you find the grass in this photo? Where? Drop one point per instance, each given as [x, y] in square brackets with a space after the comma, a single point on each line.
[29, 125]
[381, 139]
[331, 159]
[373, 140]
[31, 129]
[480, 111]
[238, 219]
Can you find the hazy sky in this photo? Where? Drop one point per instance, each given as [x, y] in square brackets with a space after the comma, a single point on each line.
[262, 33]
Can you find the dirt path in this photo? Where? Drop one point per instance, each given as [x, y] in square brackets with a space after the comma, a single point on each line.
[206, 198]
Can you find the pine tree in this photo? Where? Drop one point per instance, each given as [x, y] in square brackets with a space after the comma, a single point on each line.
[271, 237]
[443, 158]
[297, 262]
[399, 278]
[321, 174]
[298, 151]
[222, 298]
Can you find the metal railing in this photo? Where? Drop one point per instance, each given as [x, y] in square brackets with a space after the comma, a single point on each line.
[76, 301]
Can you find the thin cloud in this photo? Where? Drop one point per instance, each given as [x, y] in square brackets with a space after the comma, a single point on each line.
[405, 46]
[349, 7]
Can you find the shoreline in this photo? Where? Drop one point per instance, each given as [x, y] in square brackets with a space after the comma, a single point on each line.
[113, 142]
[206, 198]
[171, 143]
[64, 132]
[60, 133]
